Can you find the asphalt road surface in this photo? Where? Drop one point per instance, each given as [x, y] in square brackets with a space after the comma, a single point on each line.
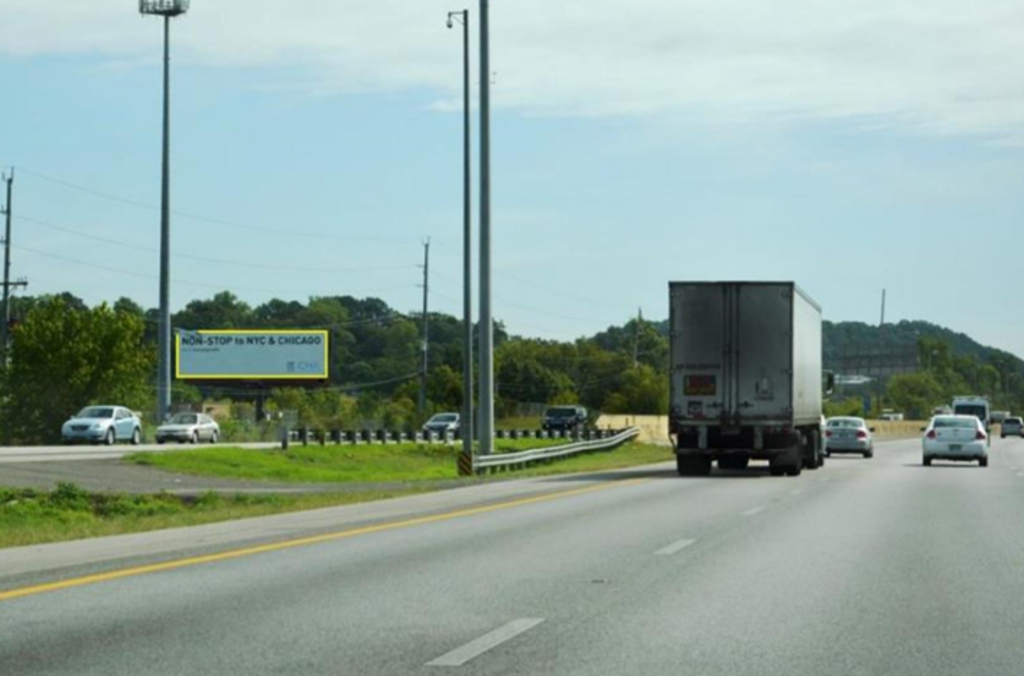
[20, 454]
[866, 567]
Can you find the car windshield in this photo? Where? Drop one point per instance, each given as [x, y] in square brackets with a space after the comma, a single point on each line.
[846, 422]
[1012, 421]
[560, 412]
[444, 418]
[96, 412]
[964, 422]
[184, 419]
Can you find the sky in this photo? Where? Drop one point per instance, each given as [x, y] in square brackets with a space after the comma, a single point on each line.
[850, 147]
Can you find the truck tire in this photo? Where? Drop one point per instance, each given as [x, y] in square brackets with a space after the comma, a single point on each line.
[693, 464]
[812, 447]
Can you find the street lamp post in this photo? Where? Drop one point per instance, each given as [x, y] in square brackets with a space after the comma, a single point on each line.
[168, 9]
[467, 242]
[486, 394]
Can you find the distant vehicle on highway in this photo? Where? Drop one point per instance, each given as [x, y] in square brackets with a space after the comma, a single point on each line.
[1012, 427]
[976, 406]
[565, 418]
[190, 427]
[442, 422]
[849, 435]
[107, 424]
[955, 437]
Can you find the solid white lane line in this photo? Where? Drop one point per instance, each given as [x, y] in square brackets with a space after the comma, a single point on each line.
[752, 511]
[797, 491]
[477, 647]
[674, 547]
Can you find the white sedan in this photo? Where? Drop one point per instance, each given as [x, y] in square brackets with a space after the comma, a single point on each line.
[955, 437]
[191, 427]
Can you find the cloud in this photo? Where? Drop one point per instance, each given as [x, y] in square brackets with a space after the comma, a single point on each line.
[941, 67]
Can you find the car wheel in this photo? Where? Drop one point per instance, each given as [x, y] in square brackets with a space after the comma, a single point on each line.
[927, 462]
[136, 437]
[869, 454]
[983, 462]
[161, 441]
[195, 438]
[213, 437]
[111, 437]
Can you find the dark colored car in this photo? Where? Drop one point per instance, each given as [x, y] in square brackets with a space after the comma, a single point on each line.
[564, 418]
[1012, 427]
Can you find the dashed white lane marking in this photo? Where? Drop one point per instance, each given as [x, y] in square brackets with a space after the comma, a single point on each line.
[674, 547]
[752, 511]
[797, 491]
[477, 647]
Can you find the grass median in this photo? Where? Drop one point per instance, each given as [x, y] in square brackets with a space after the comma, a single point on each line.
[30, 516]
[373, 463]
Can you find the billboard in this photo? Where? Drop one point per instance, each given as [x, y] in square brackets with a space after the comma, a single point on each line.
[238, 354]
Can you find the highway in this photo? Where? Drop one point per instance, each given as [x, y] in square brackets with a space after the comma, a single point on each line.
[865, 567]
[21, 454]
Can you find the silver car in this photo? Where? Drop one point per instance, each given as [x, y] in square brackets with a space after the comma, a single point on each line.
[107, 424]
[1012, 427]
[442, 423]
[191, 427]
[849, 435]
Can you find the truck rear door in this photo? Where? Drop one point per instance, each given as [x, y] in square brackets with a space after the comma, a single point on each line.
[764, 351]
[699, 387]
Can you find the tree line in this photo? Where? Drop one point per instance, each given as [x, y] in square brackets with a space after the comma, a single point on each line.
[66, 355]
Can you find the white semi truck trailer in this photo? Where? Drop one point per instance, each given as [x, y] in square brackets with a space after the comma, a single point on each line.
[746, 376]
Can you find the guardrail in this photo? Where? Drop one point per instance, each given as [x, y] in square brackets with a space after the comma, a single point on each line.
[306, 436]
[506, 461]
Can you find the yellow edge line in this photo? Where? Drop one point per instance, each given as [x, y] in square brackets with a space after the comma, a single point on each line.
[299, 542]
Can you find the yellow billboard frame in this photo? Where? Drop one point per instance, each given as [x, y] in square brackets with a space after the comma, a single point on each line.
[264, 332]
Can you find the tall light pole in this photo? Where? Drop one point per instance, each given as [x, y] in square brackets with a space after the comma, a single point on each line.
[168, 9]
[486, 320]
[466, 427]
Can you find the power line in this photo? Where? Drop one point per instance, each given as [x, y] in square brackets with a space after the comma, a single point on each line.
[204, 259]
[142, 275]
[206, 219]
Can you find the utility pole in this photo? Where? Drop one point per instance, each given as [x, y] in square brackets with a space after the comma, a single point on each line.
[882, 323]
[466, 425]
[5, 335]
[486, 319]
[425, 329]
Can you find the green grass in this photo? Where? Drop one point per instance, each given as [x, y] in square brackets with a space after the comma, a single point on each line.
[69, 513]
[371, 463]
[30, 517]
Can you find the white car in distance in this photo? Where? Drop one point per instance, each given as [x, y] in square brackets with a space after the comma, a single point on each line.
[955, 437]
[189, 427]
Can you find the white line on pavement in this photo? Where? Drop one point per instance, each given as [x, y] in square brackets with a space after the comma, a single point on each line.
[797, 491]
[674, 547]
[752, 511]
[477, 647]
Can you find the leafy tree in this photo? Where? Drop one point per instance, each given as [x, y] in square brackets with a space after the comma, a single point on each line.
[643, 391]
[223, 311]
[916, 393]
[63, 359]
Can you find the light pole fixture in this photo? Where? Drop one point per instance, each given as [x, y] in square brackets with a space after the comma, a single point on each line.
[486, 323]
[467, 425]
[168, 9]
